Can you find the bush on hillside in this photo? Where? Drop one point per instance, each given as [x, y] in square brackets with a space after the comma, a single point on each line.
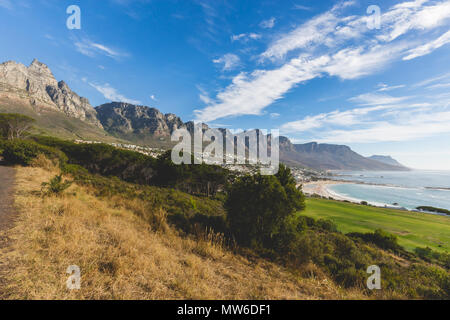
[380, 238]
[2, 143]
[258, 207]
[56, 186]
[200, 179]
[23, 152]
[138, 168]
[430, 255]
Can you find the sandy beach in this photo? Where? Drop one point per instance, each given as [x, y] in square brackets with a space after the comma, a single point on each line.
[321, 188]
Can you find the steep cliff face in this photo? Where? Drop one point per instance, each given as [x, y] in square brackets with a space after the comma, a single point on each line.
[36, 85]
[125, 118]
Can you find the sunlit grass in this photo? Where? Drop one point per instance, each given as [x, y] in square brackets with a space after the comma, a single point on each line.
[414, 229]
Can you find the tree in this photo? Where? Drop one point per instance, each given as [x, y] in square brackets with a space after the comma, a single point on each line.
[260, 207]
[294, 194]
[192, 178]
[14, 126]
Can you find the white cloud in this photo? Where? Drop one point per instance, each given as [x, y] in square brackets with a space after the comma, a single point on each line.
[433, 79]
[229, 61]
[324, 29]
[376, 123]
[313, 31]
[251, 93]
[428, 47]
[337, 118]
[413, 15]
[352, 63]
[371, 99]
[439, 86]
[388, 131]
[112, 94]
[153, 97]
[325, 46]
[274, 115]
[245, 37]
[384, 87]
[301, 7]
[91, 49]
[331, 28]
[268, 24]
[204, 96]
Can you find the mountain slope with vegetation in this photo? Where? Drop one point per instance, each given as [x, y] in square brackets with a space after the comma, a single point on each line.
[270, 228]
[123, 256]
[55, 123]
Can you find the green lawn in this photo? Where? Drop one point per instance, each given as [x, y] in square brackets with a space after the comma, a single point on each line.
[412, 228]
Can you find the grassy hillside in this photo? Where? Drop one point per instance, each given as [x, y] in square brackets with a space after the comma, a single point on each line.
[412, 228]
[54, 123]
[136, 237]
[121, 257]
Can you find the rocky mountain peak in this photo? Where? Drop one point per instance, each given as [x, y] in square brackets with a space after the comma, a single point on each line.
[63, 86]
[125, 118]
[40, 68]
[37, 86]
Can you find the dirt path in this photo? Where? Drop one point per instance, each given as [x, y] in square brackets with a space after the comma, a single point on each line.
[7, 211]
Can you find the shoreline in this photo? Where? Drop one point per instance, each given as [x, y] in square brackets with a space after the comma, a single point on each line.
[322, 189]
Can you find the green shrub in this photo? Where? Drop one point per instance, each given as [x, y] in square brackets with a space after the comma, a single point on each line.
[433, 209]
[56, 186]
[380, 238]
[430, 255]
[258, 207]
[138, 168]
[350, 277]
[2, 143]
[74, 169]
[327, 225]
[23, 152]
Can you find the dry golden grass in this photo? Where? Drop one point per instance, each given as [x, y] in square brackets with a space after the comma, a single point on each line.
[122, 257]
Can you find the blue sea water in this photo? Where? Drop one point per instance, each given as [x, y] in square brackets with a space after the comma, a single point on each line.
[405, 189]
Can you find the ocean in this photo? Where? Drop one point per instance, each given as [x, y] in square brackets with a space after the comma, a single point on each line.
[403, 189]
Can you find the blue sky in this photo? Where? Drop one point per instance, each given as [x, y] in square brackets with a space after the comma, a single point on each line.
[317, 70]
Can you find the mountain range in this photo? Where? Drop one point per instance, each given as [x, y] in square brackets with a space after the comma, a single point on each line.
[59, 111]
[386, 159]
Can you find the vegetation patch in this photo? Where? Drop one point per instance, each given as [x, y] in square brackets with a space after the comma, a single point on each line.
[433, 209]
[414, 229]
[249, 217]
